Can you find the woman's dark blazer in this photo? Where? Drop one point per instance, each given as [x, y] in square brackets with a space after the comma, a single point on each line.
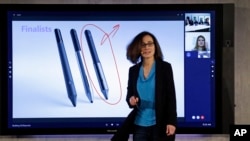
[165, 99]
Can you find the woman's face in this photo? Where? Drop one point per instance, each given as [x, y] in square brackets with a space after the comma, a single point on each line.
[148, 47]
[201, 42]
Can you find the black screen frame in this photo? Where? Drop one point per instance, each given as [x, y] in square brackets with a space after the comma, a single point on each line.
[4, 8]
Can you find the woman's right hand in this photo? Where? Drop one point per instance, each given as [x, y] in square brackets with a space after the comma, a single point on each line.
[133, 100]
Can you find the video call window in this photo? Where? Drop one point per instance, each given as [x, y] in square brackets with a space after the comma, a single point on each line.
[197, 35]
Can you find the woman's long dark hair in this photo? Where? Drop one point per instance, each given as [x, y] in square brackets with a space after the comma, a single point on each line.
[134, 48]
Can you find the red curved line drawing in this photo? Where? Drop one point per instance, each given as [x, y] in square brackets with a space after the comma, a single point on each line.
[105, 37]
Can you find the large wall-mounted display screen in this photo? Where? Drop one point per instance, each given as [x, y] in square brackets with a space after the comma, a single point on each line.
[65, 66]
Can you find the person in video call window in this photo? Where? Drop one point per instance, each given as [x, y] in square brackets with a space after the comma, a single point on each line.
[201, 21]
[207, 21]
[189, 21]
[150, 92]
[195, 21]
[200, 44]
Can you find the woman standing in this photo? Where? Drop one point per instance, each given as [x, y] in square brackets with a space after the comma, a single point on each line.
[150, 92]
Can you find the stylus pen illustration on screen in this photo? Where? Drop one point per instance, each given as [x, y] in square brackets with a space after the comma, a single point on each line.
[97, 64]
[66, 69]
[79, 59]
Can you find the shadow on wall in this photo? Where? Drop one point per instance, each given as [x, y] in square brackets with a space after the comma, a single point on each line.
[228, 104]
